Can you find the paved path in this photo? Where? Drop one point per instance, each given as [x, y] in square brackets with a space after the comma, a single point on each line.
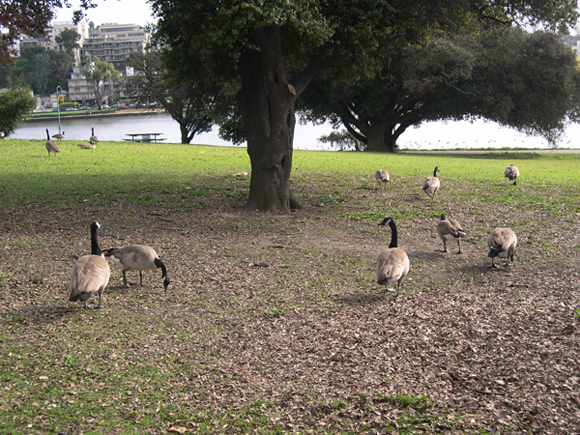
[483, 152]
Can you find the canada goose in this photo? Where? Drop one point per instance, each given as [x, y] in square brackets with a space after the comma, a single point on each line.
[432, 184]
[59, 136]
[450, 229]
[393, 263]
[93, 139]
[87, 146]
[502, 243]
[90, 273]
[138, 257]
[50, 145]
[511, 173]
[382, 176]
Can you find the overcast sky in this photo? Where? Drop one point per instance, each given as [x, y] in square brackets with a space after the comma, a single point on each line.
[112, 11]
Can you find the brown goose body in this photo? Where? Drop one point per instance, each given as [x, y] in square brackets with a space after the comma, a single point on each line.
[90, 274]
[87, 146]
[432, 184]
[58, 136]
[50, 145]
[138, 258]
[502, 243]
[93, 139]
[448, 230]
[393, 263]
[512, 173]
[382, 176]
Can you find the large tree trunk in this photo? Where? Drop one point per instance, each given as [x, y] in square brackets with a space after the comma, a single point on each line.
[375, 135]
[266, 101]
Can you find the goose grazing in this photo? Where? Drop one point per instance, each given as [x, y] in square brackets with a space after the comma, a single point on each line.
[58, 136]
[393, 263]
[138, 257]
[431, 184]
[450, 229]
[90, 273]
[382, 176]
[511, 173]
[50, 145]
[502, 243]
[87, 146]
[93, 139]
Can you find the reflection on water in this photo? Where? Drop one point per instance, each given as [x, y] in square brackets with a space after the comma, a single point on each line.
[435, 135]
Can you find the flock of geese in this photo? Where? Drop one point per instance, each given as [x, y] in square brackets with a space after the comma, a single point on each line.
[90, 273]
[393, 263]
[53, 147]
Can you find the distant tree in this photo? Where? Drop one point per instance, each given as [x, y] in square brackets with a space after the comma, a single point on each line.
[24, 17]
[43, 70]
[189, 104]
[98, 73]
[273, 50]
[342, 140]
[15, 105]
[69, 39]
[530, 82]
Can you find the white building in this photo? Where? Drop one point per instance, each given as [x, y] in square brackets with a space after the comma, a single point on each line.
[114, 42]
[80, 90]
[48, 39]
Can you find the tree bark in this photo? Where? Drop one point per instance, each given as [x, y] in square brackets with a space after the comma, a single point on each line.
[266, 101]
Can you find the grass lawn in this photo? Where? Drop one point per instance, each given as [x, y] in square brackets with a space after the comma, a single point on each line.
[275, 323]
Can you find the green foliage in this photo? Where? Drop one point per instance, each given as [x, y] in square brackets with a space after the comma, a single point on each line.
[69, 39]
[529, 82]
[43, 70]
[98, 73]
[15, 105]
[190, 104]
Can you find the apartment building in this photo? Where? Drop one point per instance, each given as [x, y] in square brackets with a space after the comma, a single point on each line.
[48, 39]
[114, 42]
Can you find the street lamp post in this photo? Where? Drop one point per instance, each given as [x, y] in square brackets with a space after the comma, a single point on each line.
[58, 97]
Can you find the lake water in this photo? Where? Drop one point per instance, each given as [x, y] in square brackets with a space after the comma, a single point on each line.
[435, 135]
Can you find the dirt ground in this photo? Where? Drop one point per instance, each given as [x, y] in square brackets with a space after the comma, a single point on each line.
[287, 309]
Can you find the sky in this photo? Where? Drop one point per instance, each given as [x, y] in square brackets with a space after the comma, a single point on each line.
[112, 11]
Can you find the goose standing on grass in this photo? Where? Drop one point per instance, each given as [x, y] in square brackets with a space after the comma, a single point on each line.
[382, 176]
[50, 145]
[93, 139]
[87, 146]
[58, 136]
[511, 173]
[90, 273]
[431, 184]
[450, 229]
[393, 263]
[138, 257]
[502, 243]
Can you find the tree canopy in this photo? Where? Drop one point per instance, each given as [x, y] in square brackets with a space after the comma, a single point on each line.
[15, 105]
[272, 51]
[529, 82]
[98, 72]
[188, 103]
[43, 70]
[69, 39]
[25, 17]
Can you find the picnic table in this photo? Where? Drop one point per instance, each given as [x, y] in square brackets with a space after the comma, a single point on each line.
[144, 137]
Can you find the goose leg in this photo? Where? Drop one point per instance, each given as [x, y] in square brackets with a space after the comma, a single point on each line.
[459, 246]
[444, 246]
[141, 278]
[125, 279]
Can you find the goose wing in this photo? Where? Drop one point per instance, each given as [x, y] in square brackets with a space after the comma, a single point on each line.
[89, 273]
[392, 265]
